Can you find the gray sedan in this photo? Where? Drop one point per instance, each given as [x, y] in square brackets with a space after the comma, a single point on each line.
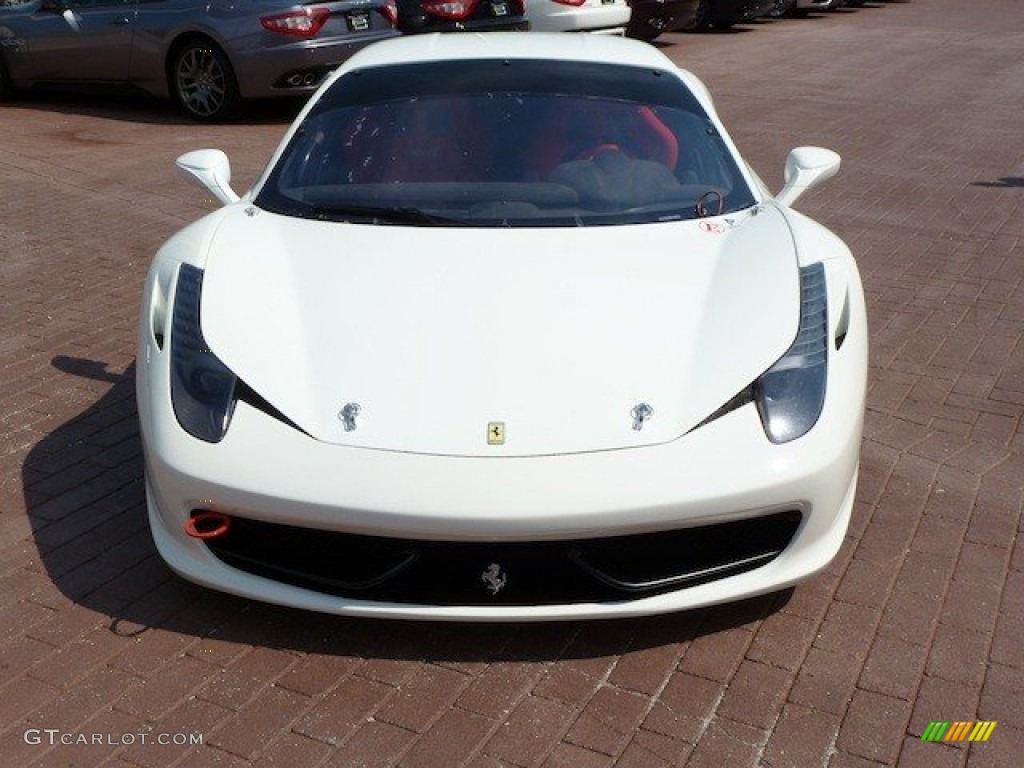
[207, 55]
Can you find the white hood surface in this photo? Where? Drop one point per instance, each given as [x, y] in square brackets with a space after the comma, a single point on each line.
[558, 333]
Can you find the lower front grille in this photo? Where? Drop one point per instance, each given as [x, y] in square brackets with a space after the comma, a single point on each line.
[519, 573]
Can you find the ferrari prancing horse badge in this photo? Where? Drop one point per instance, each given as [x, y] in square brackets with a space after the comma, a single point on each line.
[496, 433]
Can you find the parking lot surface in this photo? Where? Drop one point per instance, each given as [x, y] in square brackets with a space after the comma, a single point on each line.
[919, 619]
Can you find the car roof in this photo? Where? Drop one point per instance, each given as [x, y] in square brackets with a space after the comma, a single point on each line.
[511, 45]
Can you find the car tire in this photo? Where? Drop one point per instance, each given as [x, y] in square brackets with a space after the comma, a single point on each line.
[6, 87]
[701, 18]
[711, 15]
[203, 81]
[646, 32]
[720, 14]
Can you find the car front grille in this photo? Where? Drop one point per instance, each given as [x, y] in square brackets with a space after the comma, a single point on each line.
[519, 573]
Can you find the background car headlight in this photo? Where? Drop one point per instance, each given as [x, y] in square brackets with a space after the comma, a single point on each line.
[791, 394]
[202, 387]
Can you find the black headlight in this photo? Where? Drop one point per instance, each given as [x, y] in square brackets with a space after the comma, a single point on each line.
[203, 390]
[791, 394]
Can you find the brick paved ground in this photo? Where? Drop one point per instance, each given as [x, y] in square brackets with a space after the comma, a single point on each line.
[921, 617]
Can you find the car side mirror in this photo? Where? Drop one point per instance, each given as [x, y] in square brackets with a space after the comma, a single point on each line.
[212, 169]
[806, 168]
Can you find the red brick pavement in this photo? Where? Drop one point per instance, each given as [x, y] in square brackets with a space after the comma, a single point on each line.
[921, 617]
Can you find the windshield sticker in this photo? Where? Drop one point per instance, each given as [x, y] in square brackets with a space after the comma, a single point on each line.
[712, 227]
[724, 224]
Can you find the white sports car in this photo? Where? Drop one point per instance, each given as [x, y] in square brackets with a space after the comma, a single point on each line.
[506, 330]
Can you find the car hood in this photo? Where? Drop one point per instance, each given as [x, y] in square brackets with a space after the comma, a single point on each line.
[558, 334]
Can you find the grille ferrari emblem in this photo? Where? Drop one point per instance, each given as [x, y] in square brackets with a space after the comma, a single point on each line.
[348, 416]
[641, 413]
[494, 577]
[496, 433]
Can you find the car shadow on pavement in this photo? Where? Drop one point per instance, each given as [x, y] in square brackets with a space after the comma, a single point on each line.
[138, 107]
[1003, 182]
[85, 498]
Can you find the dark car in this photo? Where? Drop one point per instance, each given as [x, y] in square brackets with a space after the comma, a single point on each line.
[649, 18]
[722, 14]
[801, 8]
[461, 15]
[206, 54]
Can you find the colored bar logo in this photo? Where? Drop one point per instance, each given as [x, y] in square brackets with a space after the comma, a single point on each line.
[959, 730]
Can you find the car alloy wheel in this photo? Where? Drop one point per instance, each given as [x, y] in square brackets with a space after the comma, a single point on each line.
[204, 82]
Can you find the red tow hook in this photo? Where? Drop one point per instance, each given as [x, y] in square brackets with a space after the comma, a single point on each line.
[208, 525]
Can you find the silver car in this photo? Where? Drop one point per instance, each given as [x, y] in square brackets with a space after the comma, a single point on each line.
[206, 55]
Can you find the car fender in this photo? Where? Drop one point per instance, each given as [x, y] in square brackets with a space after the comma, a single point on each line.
[813, 243]
[150, 53]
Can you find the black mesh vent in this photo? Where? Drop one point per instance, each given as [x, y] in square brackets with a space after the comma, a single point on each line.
[526, 573]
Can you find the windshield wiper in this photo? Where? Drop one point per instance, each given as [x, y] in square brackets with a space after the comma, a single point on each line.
[383, 214]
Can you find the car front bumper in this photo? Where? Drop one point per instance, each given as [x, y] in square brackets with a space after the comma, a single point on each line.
[724, 471]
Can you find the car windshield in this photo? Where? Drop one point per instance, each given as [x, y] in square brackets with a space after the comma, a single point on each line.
[500, 143]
